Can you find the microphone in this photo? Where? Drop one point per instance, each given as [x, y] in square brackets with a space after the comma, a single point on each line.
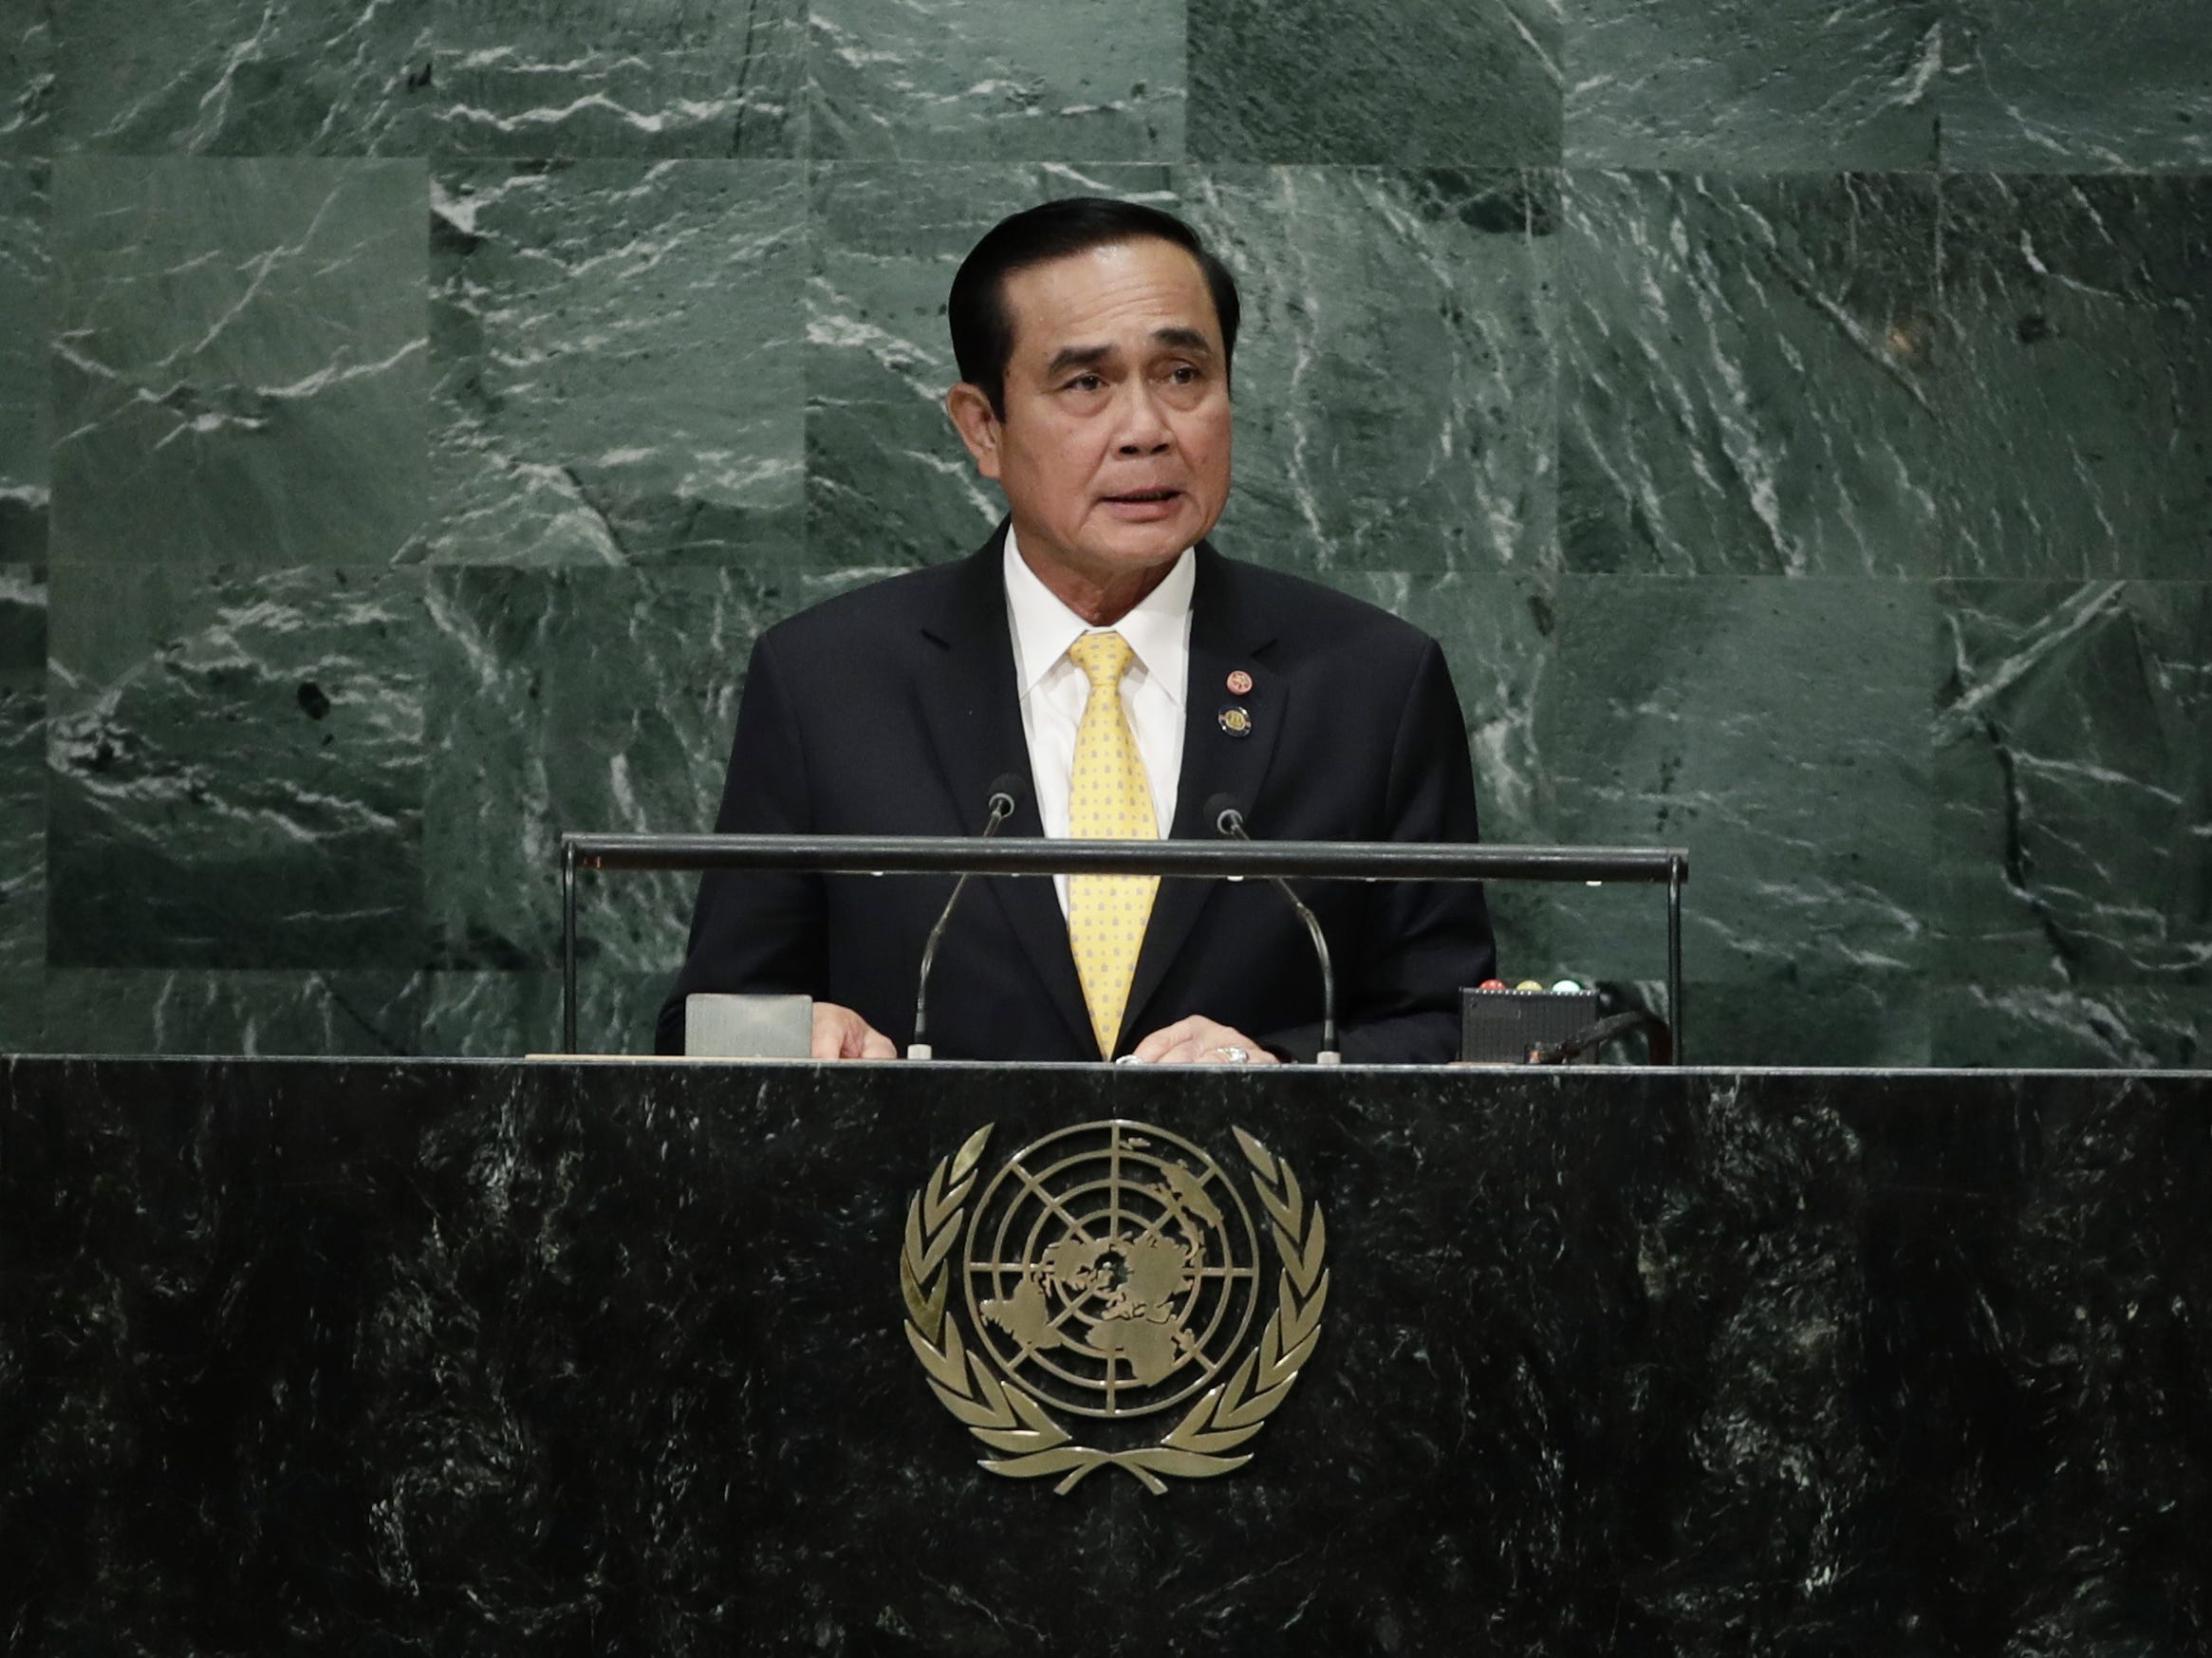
[1228, 820]
[1005, 791]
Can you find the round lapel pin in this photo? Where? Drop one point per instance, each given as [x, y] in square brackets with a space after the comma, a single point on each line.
[1239, 683]
[1235, 720]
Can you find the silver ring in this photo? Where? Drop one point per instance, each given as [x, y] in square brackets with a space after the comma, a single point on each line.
[1234, 1056]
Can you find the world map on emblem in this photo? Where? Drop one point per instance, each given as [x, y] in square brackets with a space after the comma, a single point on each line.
[1111, 1269]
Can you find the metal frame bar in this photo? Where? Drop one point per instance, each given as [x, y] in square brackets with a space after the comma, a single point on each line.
[1675, 877]
[567, 945]
[958, 854]
[1214, 860]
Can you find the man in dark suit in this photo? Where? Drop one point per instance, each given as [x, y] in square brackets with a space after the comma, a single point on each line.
[1100, 650]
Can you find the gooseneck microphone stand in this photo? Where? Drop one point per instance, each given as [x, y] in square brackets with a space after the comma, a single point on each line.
[1002, 791]
[1229, 823]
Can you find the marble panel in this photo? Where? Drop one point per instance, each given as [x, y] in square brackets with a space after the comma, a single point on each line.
[323, 1014]
[1754, 85]
[2056, 86]
[239, 377]
[597, 699]
[22, 1012]
[493, 1016]
[1748, 382]
[1398, 83]
[1595, 936]
[1497, 633]
[26, 362]
[995, 79]
[1815, 1013]
[316, 1014]
[373, 1358]
[617, 353]
[701, 78]
[2073, 785]
[887, 481]
[27, 79]
[2135, 1026]
[237, 767]
[23, 770]
[1777, 729]
[1394, 369]
[2076, 393]
[236, 78]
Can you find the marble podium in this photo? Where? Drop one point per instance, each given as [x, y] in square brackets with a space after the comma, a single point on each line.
[596, 1358]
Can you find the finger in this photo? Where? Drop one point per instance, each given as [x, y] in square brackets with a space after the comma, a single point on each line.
[839, 1031]
[1155, 1048]
[1198, 1050]
[1163, 1041]
[875, 1045]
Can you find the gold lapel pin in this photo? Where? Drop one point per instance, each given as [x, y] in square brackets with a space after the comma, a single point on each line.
[1236, 719]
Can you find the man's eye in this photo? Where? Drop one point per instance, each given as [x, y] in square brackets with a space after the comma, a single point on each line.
[1086, 382]
[1184, 374]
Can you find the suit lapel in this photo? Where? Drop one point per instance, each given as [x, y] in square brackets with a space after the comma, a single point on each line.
[1226, 638]
[973, 713]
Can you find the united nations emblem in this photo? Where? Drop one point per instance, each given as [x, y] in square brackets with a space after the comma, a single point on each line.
[1110, 1271]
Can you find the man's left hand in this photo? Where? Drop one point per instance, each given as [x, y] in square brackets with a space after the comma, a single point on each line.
[1198, 1040]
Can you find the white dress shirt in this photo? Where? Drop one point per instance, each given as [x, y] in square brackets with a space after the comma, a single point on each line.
[1053, 690]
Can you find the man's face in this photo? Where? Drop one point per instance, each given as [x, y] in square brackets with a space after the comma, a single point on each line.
[1114, 448]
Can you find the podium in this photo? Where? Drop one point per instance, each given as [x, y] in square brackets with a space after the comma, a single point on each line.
[600, 1357]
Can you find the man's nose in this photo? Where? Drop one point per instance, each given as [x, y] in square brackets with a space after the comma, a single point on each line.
[1145, 427]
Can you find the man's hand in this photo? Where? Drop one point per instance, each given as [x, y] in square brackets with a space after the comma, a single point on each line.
[1198, 1040]
[840, 1033]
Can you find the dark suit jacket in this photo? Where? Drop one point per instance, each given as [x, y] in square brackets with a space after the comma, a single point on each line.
[891, 709]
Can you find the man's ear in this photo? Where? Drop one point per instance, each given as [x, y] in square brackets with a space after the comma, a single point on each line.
[977, 425]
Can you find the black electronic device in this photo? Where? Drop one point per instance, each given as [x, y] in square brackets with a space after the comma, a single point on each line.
[1505, 1027]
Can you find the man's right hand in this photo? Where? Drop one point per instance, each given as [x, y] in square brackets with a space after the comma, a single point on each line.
[840, 1033]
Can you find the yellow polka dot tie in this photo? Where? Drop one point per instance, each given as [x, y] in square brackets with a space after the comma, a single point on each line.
[1110, 800]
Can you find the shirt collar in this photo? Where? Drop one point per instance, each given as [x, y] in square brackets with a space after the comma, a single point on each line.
[1158, 631]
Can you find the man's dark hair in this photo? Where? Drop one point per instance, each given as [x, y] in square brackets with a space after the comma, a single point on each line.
[977, 311]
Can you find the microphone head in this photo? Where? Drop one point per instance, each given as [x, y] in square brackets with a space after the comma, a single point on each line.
[1226, 815]
[1006, 791]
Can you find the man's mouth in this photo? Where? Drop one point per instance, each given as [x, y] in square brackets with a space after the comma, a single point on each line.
[1144, 497]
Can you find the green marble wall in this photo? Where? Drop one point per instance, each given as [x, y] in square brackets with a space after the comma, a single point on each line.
[1792, 417]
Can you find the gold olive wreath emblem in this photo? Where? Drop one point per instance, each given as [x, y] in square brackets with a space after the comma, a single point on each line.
[1110, 1271]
